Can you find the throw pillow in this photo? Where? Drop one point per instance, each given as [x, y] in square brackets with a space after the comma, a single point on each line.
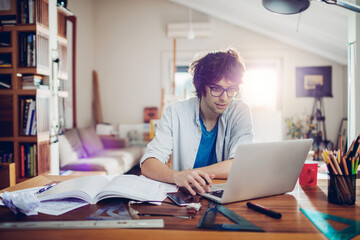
[67, 153]
[91, 141]
[75, 142]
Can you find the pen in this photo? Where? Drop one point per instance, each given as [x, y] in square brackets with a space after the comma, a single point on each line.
[263, 210]
[45, 188]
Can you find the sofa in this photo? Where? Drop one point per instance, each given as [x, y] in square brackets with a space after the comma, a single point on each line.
[81, 149]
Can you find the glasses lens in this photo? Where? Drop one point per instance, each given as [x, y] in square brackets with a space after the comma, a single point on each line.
[216, 91]
[232, 92]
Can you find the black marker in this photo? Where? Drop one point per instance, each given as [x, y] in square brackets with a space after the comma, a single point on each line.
[264, 210]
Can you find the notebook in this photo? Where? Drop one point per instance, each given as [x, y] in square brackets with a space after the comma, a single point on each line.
[261, 170]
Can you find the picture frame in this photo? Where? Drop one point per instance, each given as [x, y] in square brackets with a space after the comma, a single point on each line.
[314, 81]
[150, 113]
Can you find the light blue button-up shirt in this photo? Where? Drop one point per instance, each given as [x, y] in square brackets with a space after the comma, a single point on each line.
[179, 133]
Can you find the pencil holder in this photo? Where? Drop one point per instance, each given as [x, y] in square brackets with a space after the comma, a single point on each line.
[341, 189]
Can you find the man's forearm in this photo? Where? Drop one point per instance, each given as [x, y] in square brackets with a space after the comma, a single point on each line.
[154, 169]
[157, 170]
[221, 169]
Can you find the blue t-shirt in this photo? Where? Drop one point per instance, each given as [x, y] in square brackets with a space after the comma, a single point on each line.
[206, 154]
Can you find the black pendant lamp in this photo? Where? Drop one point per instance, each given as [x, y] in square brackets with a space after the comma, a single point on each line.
[286, 6]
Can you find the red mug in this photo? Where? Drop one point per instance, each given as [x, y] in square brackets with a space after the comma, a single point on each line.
[308, 175]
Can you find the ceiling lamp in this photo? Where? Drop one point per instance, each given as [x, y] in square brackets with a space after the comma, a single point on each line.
[298, 6]
[286, 6]
[191, 32]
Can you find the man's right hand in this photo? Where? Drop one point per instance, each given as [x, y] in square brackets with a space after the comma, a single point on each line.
[194, 178]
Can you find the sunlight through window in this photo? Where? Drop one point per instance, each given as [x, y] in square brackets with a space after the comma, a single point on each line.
[183, 82]
[260, 88]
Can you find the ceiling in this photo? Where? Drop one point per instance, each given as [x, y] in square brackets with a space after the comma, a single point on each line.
[321, 29]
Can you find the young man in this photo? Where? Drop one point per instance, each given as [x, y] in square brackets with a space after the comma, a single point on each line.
[202, 133]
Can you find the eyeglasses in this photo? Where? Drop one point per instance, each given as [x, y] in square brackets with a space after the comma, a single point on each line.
[217, 91]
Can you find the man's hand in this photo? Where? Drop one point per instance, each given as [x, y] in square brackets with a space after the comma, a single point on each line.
[194, 177]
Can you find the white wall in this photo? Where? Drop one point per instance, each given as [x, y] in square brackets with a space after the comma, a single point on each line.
[84, 11]
[125, 40]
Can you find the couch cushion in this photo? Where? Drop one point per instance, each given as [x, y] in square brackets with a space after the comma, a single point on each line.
[75, 142]
[126, 157]
[90, 140]
[67, 153]
[108, 164]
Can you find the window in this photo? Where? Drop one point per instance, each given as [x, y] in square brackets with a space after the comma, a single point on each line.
[261, 86]
[183, 82]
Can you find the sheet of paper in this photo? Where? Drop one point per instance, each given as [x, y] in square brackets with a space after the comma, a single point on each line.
[58, 207]
[31, 190]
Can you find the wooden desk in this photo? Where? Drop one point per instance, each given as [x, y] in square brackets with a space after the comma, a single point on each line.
[292, 225]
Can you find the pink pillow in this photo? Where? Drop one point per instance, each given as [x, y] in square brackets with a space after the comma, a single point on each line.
[73, 137]
[90, 140]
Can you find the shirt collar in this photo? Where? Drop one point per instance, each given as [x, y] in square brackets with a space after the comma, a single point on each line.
[197, 111]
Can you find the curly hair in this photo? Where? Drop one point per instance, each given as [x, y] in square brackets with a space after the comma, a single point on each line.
[214, 66]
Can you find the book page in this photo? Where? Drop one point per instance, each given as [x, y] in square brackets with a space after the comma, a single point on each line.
[132, 187]
[85, 188]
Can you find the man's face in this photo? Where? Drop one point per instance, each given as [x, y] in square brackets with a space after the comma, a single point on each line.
[216, 99]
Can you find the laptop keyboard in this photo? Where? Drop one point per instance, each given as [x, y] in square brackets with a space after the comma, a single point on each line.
[217, 193]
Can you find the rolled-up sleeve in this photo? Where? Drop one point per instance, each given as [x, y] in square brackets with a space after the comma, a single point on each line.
[161, 146]
[241, 130]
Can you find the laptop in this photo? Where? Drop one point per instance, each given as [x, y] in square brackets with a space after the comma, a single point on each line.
[261, 170]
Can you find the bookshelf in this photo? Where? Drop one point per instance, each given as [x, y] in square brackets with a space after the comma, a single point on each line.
[25, 108]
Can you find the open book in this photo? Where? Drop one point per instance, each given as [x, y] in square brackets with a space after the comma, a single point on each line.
[95, 188]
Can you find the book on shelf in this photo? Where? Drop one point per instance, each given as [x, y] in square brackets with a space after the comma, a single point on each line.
[30, 119]
[31, 11]
[7, 20]
[6, 157]
[28, 116]
[4, 85]
[95, 188]
[34, 82]
[34, 126]
[22, 115]
[22, 49]
[4, 62]
[31, 50]
[35, 160]
[25, 103]
[27, 11]
[27, 51]
[22, 161]
[36, 87]
[32, 79]
[28, 160]
[31, 161]
[4, 44]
